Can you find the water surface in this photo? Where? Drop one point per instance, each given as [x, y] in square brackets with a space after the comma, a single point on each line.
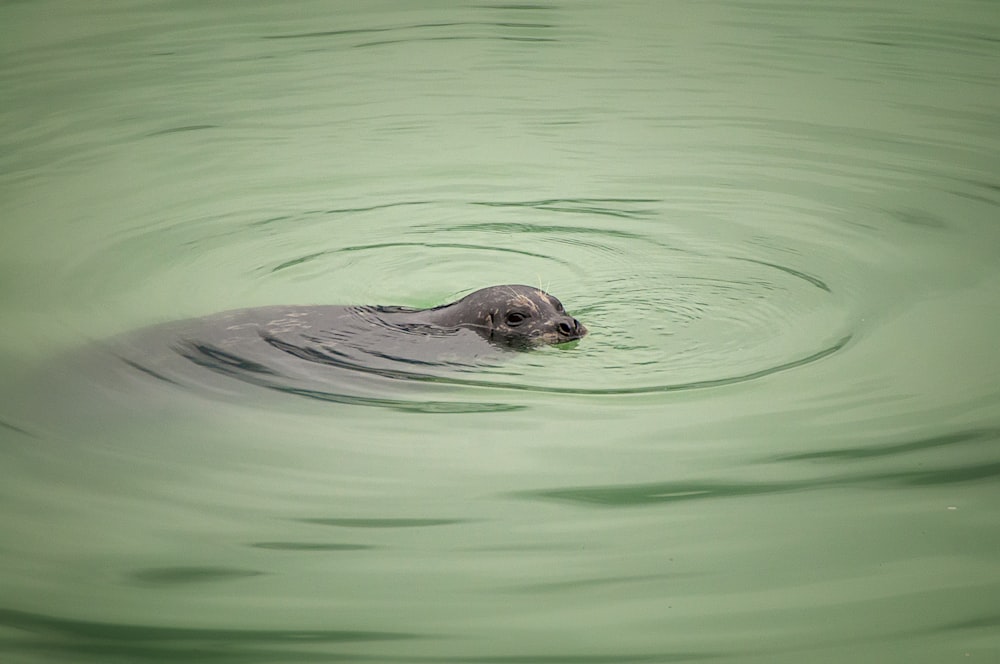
[778, 443]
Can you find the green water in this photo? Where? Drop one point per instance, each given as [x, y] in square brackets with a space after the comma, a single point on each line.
[779, 442]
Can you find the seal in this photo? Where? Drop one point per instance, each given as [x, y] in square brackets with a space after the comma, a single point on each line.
[510, 316]
[297, 348]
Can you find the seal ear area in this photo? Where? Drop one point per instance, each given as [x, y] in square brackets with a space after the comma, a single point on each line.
[490, 324]
[484, 324]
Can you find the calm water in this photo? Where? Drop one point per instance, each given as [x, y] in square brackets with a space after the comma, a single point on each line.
[779, 220]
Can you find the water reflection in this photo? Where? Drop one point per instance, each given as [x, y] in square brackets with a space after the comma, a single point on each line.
[978, 436]
[651, 493]
[171, 576]
[73, 638]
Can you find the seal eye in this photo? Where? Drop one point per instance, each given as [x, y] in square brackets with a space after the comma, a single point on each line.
[514, 319]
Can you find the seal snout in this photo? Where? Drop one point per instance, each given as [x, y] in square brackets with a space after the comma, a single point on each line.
[571, 328]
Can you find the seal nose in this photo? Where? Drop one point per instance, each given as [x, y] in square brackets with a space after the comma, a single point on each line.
[571, 328]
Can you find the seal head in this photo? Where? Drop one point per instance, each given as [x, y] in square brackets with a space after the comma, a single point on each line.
[516, 316]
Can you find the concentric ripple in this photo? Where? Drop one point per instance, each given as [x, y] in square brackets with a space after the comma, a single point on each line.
[667, 310]
[670, 305]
